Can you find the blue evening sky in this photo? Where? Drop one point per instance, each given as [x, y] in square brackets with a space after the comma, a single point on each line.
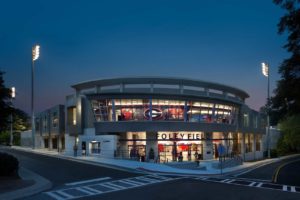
[222, 41]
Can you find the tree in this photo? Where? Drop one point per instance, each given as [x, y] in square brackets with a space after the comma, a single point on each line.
[290, 139]
[286, 101]
[20, 118]
[5, 107]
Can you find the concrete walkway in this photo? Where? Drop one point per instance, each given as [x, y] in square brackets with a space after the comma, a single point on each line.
[40, 184]
[204, 169]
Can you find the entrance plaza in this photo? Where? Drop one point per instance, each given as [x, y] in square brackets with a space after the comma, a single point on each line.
[161, 119]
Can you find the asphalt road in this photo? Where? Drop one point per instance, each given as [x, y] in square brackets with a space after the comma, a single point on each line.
[61, 171]
[290, 174]
[195, 189]
[268, 171]
[130, 185]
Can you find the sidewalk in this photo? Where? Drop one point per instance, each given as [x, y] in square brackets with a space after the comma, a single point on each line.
[204, 169]
[34, 184]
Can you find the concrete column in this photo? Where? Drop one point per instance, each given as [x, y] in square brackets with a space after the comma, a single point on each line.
[151, 142]
[243, 150]
[254, 146]
[59, 143]
[226, 142]
[185, 111]
[208, 146]
[50, 143]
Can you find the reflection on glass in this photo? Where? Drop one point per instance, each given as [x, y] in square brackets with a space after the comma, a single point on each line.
[163, 110]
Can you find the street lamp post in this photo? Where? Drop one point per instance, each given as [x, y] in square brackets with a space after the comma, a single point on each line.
[12, 96]
[265, 71]
[35, 56]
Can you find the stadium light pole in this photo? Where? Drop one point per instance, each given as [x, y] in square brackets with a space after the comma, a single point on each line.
[12, 96]
[266, 73]
[35, 55]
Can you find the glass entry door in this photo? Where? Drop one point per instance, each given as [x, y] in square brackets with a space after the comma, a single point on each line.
[136, 151]
[180, 152]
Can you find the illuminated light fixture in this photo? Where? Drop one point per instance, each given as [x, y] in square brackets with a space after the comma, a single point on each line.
[265, 69]
[35, 52]
[13, 92]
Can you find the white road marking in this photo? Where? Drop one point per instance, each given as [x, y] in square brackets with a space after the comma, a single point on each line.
[117, 187]
[259, 185]
[87, 181]
[55, 196]
[224, 181]
[112, 186]
[92, 189]
[252, 184]
[81, 189]
[147, 179]
[136, 182]
[128, 183]
[293, 189]
[230, 181]
[68, 196]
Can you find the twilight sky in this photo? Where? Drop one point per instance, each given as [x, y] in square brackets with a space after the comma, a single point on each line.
[222, 41]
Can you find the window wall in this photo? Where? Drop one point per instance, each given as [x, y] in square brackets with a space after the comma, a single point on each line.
[163, 110]
[248, 142]
[258, 138]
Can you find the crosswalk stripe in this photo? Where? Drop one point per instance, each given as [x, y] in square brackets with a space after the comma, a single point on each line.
[92, 189]
[293, 189]
[147, 179]
[55, 196]
[127, 182]
[284, 188]
[112, 186]
[81, 189]
[136, 182]
[224, 181]
[116, 185]
[230, 181]
[252, 184]
[259, 185]
[64, 194]
[87, 181]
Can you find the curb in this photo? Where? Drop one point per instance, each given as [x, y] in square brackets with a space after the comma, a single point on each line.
[143, 170]
[75, 159]
[40, 185]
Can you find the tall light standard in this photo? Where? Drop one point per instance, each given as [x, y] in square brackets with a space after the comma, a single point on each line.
[12, 96]
[265, 71]
[35, 56]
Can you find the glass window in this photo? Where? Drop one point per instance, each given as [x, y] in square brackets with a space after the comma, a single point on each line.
[258, 142]
[248, 142]
[54, 119]
[246, 120]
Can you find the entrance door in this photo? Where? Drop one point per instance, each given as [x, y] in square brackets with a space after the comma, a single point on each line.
[136, 151]
[170, 152]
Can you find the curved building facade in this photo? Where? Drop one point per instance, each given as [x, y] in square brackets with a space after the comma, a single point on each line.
[162, 118]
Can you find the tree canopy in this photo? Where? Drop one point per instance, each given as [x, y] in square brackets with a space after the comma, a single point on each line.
[286, 101]
[5, 107]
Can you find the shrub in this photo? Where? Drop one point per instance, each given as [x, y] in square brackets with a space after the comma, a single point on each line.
[9, 165]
